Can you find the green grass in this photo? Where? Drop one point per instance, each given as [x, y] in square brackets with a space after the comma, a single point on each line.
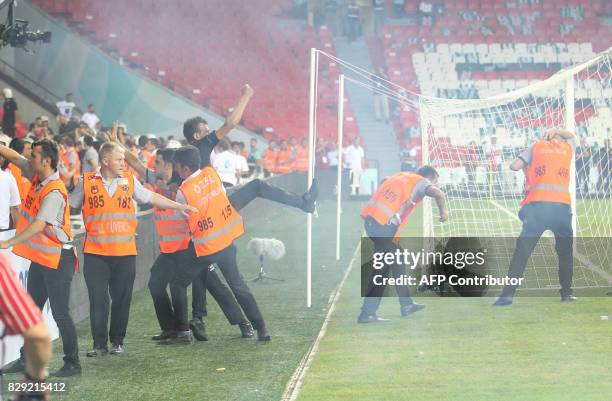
[253, 370]
[463, 349]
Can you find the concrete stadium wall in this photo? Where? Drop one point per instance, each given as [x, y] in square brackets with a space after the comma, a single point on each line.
[70, 64]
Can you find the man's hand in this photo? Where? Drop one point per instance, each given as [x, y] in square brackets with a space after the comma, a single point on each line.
[246, 91]
[4, 245]
[443, 216]
[112, 135]
[186, 209]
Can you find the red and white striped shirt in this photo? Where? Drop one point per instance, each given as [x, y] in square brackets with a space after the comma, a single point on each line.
[18, 312]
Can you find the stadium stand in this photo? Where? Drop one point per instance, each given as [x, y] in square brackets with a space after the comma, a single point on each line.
[184, 57]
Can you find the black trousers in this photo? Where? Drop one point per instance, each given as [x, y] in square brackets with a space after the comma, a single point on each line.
[45, 283]
[239, 197]
[382, 236]
[538, 217]
[212, 282]
[162, 272]
[192, 267]
[104, 276]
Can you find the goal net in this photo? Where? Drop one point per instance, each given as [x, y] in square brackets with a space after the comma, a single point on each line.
[472, 142]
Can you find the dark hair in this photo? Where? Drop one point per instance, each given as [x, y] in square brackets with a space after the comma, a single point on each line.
[17, 144]
[142, 140]
[428, 172]
[188, 156]
[166, 154]
[48, 150]
[191, 127]
[67, 140]
[88, 140]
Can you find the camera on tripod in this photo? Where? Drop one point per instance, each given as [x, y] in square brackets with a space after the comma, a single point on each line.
[18, 35]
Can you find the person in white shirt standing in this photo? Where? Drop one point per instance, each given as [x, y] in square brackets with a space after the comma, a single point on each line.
[9, 203]
[90, 117]
[226, 164]
[354, 157]
[65, 107]
[243, 165]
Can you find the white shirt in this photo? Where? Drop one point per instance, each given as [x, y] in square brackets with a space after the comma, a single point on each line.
[65, 108]
[9, 197]
[332, 156]
[91, 119]
[353, 157]
[243, 165]
[226, 163]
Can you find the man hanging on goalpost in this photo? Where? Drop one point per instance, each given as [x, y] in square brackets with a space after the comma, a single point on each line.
[547, 206]
[385, 215]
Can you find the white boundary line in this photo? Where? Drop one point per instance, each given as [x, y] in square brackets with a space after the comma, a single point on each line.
[583, 259]
[295, 383]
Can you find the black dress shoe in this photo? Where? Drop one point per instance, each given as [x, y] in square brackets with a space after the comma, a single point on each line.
[262, 334]
[69, 369]
[246, 329]
[198, 329]
[116, 349]
[568, 298]
[178, 340]
[17, 367]
[503, 301]
[164, 335]
[370, 319]
[410, 309]
[310, 197]
[96, 352]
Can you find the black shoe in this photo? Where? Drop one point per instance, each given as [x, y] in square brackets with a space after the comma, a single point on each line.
[198, 329]
[568, 298]
[410, 309]
[503, 301]
[178, 340]
[17, 367]
[165, 334]
[246, 329]
[96, 352]
[310, 197]
[116, 349]
[69, 369]
[262, 334]
[370, 319]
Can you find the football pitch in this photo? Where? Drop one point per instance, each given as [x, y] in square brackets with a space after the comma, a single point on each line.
[455, 349]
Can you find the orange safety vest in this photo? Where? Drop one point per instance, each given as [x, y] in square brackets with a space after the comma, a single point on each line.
[269, 160]
[301, 159]
[217, 223]
[65, 156]
[172, 227]
[548, 174]
[283, 161]
[43, 248]
[110, 222]
[23, 184]
[391, 196]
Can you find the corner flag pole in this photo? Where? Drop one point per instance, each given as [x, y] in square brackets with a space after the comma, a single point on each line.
[339, 184]
[311, 132]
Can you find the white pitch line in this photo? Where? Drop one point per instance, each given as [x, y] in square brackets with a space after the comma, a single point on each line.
[583, 259]
[297, 379]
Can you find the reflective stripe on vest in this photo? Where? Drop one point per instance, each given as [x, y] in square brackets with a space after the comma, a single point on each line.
[110, 221]
[391, 197]
[548, 173]
[43, 248]
[172, 227]
[217, 223]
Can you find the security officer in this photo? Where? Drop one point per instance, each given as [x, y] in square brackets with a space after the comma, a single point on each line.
[385, 215]
[109, 213]
[546, 206]
[45, 238]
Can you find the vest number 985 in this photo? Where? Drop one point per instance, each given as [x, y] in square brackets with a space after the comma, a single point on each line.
[95, 201]
[205, 224]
